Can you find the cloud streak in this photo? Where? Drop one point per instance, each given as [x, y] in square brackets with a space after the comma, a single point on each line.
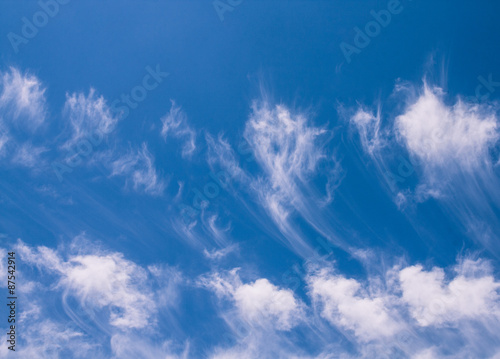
[174, 123]
[138, 167]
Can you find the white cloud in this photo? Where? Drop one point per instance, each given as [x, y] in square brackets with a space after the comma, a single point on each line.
[259, 303]
[3, 267]
[433, 301]
[101, 281]
[368, 126]
[138, 166]
[345, 303]
[414, 311]
[113, 282]
[263, 300]
[111, 306]
[4, 138]
[408, 312]
[45, 338]
[28, 155]
[22, 97]
[175, 124]
[220, 151]
[285, 145]
[446, 156]
[218, 233]
[131, 347]
[259, 318]
[90, 116]
[220, 253]
[288, 150]
[425, 354]
[168, 280]
[43, 257]
[438, 133]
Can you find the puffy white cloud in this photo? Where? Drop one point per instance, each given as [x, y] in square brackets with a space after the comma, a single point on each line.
[263, 299]
[439, 133]
[259, 303]
[409, 312]
[421, 313]
[113, 282]
[431, 146]
[138, 167]
[259, 317]
[434, 301]
[111, 306]
[175, 124]
[346, 304]
[101, 281]
[22, 97]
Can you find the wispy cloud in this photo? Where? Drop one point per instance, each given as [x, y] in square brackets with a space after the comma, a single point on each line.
[88, 115]
[28, 155]
[45, 338]
[288, 150]
[446, 145]
[138, 167]
[175, 124]
[221, 253]
[22, 98]
[4, 138]
[368, 126]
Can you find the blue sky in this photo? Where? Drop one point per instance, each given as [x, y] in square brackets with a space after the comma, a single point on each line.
[251, 179]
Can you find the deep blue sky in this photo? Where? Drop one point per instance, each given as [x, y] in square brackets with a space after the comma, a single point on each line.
[307, 142]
